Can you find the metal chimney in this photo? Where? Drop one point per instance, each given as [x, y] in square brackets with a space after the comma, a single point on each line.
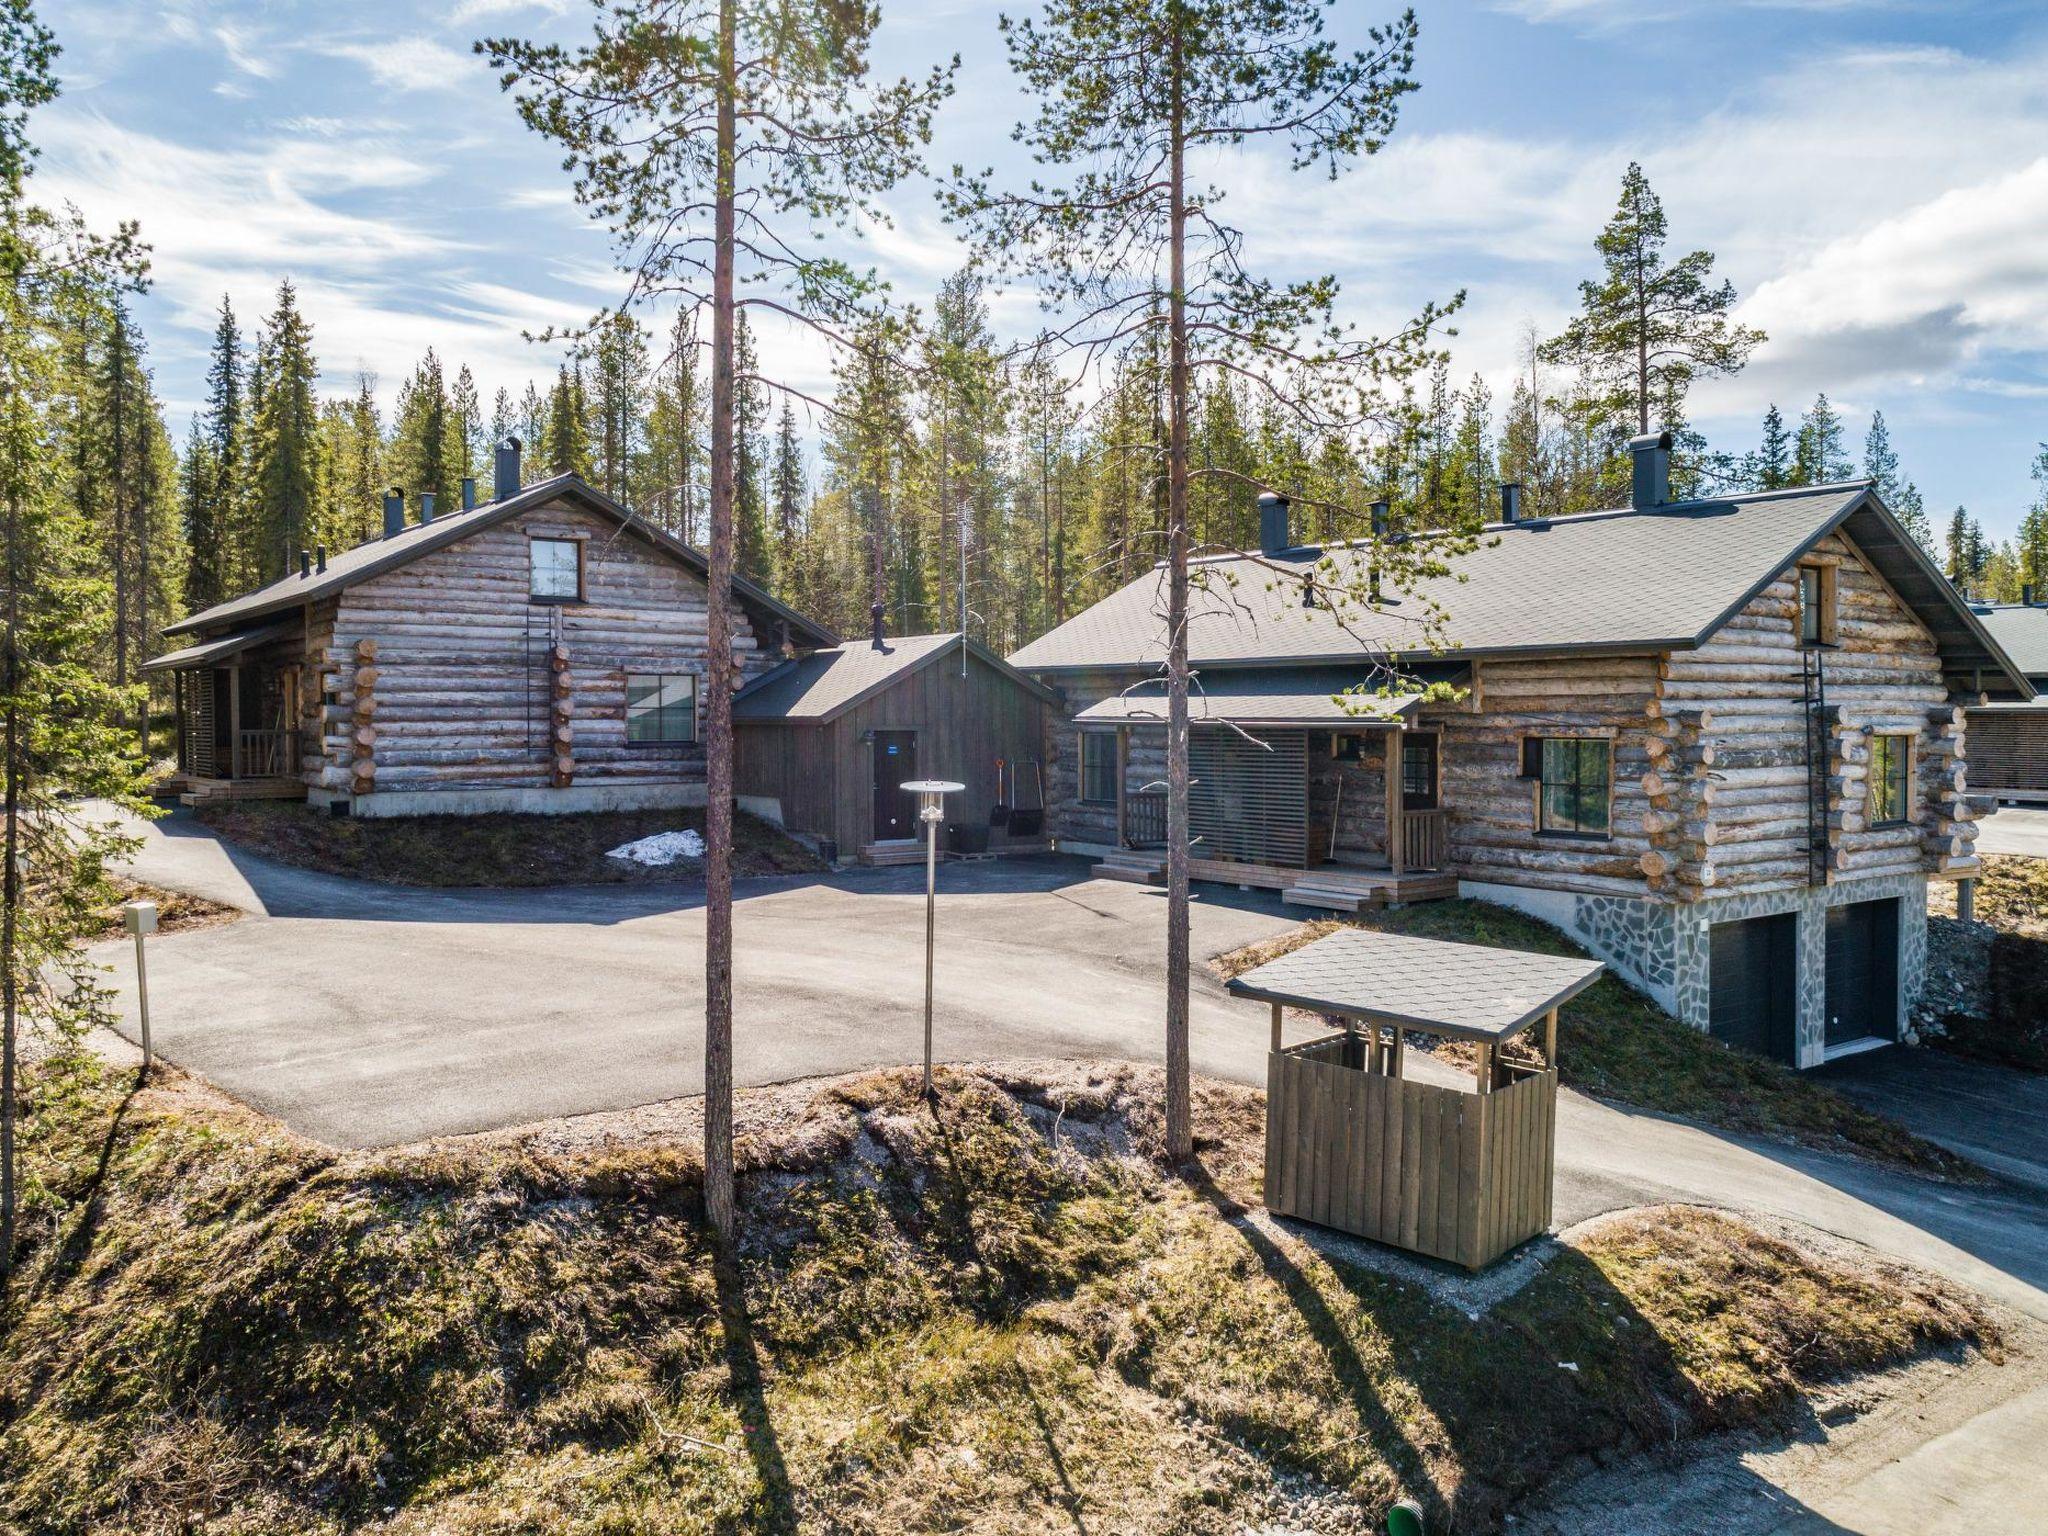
[319, 557]
[1650, 484]
[1510, 501]
[2027, 594]
[394, 511]
[1382, 514]
[505, 478]
[1273, 535]
[875, 624]
[469, 493]
[305, 562]
[426, 508]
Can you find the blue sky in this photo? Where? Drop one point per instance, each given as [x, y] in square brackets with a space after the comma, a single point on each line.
[1873, 177]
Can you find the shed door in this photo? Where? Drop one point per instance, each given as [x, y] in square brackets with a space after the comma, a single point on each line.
[895, 765]
[1863, 972]
[1752, 996]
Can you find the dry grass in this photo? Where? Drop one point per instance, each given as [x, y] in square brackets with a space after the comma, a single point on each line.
[176, 912]
[2012, 894]
[500, 850]
[1005, 1317]
[1617, 1044]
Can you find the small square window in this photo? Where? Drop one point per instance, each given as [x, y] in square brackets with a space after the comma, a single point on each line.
[661, 707]
[1098, 767]
[556, 570]
[1891, 779]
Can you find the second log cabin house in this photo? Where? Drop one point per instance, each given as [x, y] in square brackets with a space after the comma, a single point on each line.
[1721, 742]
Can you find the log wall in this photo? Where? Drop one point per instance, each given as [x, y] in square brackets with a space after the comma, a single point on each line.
[444, 674]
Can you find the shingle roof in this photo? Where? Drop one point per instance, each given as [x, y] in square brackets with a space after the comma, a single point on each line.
[827, 683]
[381, 555]
[2022, 633]
[219, 650]
[1663, 578]
[1268, 696]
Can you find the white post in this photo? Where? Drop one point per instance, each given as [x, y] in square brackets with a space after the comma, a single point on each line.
[140, 918]
[931, 811]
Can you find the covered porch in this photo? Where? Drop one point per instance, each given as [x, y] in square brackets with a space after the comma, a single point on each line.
[236, 700]
[1335, 801]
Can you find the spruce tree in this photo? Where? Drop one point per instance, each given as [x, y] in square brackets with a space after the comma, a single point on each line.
[786, 488]
[1820, 452]
[617, 402]
[1771, 464]
[565, 438]
[286, 442]
[1900, 495]
[1647, 328]
[211, 506]
[751, 550]
[467, 452]
[675, 436]
[421, 433]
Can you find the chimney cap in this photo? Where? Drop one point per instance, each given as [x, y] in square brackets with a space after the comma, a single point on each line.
[1660, 439]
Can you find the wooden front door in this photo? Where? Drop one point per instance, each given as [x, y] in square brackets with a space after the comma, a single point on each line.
[895, 765]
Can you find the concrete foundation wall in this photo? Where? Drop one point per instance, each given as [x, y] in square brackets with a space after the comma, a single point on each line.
[573, 800]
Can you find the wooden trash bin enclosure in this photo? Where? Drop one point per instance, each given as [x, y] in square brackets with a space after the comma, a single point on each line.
[1353, 1143]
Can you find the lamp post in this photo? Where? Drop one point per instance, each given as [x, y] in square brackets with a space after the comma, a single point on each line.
[140, 918]
[931, 794]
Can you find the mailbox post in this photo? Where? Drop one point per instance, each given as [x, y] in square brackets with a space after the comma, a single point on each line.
[931, 795]
[140, 918]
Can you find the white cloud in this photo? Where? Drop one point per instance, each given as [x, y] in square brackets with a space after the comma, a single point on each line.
[476, 10]
[410, 63]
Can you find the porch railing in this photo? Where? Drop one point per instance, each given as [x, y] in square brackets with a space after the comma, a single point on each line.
[1423, 839]
[267, 755]
[1145, 819]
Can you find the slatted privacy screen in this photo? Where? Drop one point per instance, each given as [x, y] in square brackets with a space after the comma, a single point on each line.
[1249, 801]
[2009, 749]
[1454, 1175]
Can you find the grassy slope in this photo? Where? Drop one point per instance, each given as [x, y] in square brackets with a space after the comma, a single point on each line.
[2012, 893]
[933, 1326]
[1614, 1042]
[502, 850]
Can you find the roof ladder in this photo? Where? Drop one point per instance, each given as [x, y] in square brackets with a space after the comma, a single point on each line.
[1813, 683]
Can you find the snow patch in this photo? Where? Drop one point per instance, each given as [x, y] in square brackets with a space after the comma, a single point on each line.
[662, 848]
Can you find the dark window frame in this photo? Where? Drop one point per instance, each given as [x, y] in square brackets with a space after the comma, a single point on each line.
[1544, 782]
[1434, 792]
[696, 694]
[1816, 618]
[1082, 756]
[1896, 748]
[533, 570]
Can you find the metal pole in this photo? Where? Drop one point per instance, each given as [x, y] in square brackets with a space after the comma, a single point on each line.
[142, 998]
[931, 876]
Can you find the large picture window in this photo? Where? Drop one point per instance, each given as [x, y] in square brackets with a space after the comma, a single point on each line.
[660, 707]
[556, 569]
[1574, 787]
[1891, 779]
[1098, 767]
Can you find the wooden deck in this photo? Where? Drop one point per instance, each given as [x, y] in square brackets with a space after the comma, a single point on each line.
[197, 791]
[1334, 887]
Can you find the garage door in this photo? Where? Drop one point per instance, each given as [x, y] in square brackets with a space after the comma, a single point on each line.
[1863, 972]
[1752, 995]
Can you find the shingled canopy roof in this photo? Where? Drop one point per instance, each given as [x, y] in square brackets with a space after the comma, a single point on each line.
[377, 556]
[2022, 632]
[1665, 578]
[827, 683]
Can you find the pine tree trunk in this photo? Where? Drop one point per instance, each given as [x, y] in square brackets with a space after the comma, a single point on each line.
[10, 879]
[718, 1150]
[1179, 1129]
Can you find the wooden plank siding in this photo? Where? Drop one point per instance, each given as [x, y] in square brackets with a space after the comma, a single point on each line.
[463, 690]
[824, 774]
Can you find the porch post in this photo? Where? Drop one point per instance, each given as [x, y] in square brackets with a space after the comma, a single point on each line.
[234, 721]
[1123, 773]
[1395, 852]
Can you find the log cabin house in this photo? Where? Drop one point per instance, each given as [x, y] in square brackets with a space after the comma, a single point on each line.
[2009, 735]
[1720, 742]
[544, 651]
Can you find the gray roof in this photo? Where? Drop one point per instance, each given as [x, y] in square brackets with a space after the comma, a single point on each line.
[1282, 696]
[829, 682]
[221, 649]
[381, 555]
[1660, 579]
[1468, 990]
[2023, 634]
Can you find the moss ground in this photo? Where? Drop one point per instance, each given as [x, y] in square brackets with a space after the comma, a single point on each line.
[1617, 1044]
[502, 850]
[1004, 1316]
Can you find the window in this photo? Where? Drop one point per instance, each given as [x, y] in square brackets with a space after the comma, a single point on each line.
[1098, 767]
[556, 572]
[1418, 772]
[1573, 787]
[1816, 605]
[660, 706]
[1891, 779]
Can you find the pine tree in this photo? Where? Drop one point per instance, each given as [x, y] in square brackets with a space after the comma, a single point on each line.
[211, 506]
[467, 451]
[753, 557]
[675, 493]
[565, 437]
[1900, 495]
[422, 431]
[2033, 536]
[352, 461]
[1770, 467]
[1820, 453]
[1647, 329]
[285, 443]
[617, 402]
[533, 431]
[786, 488]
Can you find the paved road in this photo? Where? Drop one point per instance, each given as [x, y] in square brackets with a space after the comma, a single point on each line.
[2016, 829]
[368, 1015]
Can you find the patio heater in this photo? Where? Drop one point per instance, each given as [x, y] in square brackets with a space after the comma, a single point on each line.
[931, 795]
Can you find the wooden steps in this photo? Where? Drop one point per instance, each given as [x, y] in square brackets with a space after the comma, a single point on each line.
[205, 791]
[1137, 867]
[906, 851]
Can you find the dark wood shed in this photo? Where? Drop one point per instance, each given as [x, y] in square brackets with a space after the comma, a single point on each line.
[829, 736]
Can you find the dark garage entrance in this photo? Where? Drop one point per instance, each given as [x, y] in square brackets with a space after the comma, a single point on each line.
[1752, 990]
[1863, 972]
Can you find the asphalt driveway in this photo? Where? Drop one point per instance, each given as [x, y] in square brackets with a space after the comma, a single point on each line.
[2015, 829]
[368, 1015]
